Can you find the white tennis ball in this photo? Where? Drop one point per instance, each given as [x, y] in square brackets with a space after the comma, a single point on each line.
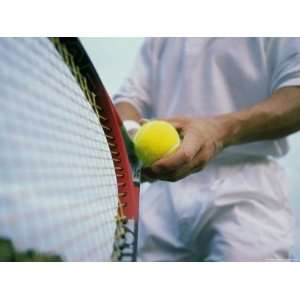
[154, 140]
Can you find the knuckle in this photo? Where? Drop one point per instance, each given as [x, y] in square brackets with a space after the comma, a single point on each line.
[187, 156]
[161, 168]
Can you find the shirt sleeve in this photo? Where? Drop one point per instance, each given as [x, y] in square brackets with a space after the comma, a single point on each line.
[283, 56]
[136, 89]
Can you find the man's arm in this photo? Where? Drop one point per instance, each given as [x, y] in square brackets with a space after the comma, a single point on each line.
[275, 117]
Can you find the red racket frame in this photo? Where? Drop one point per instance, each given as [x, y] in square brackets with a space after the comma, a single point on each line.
[128, 190]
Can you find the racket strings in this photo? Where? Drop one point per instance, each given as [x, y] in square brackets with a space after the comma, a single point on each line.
[58, 187]
[91, 97]
[43, 211]
[23, 62]
[57, 107]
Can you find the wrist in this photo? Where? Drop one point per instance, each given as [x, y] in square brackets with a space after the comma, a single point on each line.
[229, 127]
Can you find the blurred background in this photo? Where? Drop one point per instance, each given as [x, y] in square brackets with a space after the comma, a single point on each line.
[113, 58]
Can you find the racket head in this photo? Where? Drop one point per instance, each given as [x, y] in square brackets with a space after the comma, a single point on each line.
[73, 56]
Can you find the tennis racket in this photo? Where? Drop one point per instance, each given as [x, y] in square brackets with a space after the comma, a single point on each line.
[69, 179]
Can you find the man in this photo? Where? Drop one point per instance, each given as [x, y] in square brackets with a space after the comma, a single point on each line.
[221, 196]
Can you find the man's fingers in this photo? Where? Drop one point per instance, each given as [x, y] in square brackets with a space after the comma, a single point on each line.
[170, 163]
[180, 173]
[183, 156]
[190, 157]
[189, 148]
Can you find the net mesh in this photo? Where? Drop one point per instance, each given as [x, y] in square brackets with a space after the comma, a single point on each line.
[58, 188]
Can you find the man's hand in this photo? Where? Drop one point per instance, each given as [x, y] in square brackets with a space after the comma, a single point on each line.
[202, 139]
[272, 118]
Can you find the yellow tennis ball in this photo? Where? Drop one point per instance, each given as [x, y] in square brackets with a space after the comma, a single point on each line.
[154, 140]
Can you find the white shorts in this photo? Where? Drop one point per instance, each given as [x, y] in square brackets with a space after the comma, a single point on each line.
[232, 211]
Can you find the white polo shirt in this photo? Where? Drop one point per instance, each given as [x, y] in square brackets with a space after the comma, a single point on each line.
[210, 76]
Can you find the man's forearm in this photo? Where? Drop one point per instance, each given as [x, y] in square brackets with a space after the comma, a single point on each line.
[128, 111]
[275, 117]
